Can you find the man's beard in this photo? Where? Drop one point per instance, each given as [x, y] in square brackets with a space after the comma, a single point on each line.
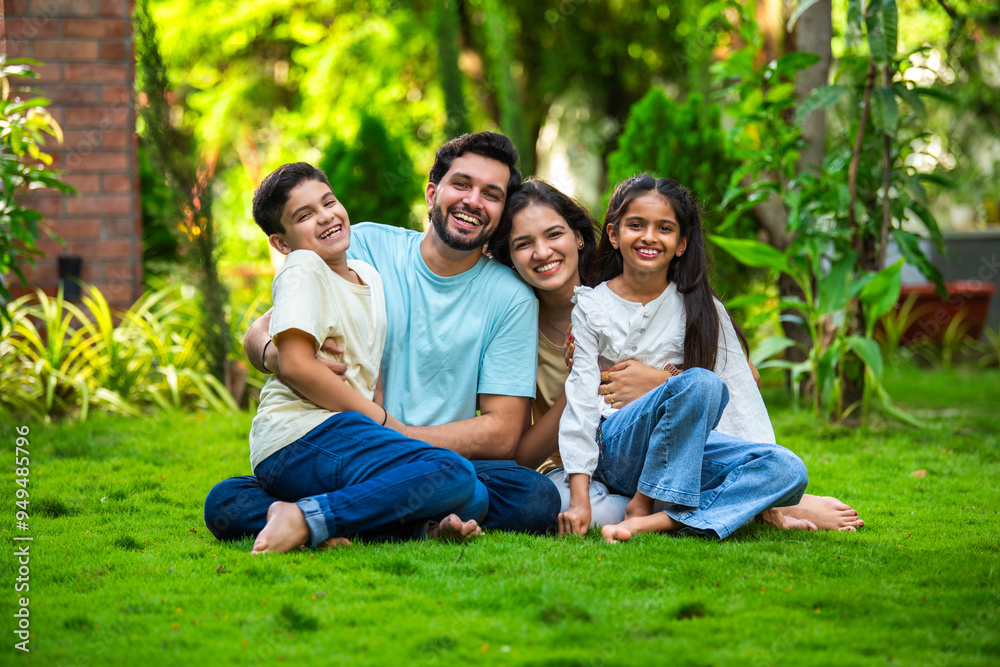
[455, 241]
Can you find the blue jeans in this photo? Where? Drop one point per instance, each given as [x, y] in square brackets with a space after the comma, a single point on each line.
[507, 497]
[350, 475]
[663, 445]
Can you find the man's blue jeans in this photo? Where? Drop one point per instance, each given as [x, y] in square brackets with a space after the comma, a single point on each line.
[506, 497]
[350, 475]
[663, 445]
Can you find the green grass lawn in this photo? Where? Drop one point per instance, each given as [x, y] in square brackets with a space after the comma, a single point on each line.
[124, 572]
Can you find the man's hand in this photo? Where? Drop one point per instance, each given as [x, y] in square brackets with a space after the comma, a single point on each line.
[628, 380]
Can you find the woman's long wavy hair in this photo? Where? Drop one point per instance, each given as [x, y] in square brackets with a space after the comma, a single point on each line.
[536, 192]
[689, 272]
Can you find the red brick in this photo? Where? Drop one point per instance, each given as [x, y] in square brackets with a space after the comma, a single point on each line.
[119, 227]
[62, 7]
[31, 27]
[99, 205]
[113, 7]
[50, 248]
[119, 74]
[45, 273]
[117, 183]
[80, 229]
[97, 117]
[117, 249]
[65, 50]
[17, 7]
[87, 162]
[19, 49]
[47, 206]
[62, 94]
[112, 51]
[123, 271]
[81, 141]
[49, 73]
[93, 271]
[118, 138]
[117, 94]
[95, 28]
[83, 182]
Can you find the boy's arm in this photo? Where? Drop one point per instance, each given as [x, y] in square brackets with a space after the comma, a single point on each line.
[298, 364]
[256, 339]
[493, 434]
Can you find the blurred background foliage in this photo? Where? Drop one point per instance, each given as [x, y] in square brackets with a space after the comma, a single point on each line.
[589, 90]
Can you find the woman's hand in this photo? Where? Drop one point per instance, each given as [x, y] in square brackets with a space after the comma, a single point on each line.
[568, 348]
[628, 380]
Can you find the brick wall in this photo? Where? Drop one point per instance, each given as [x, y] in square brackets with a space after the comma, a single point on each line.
[87, 51]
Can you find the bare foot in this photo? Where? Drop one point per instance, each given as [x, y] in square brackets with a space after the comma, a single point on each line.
[286, 529]
[334, 543]
[775, 517]
[826, 512]
[659, 522]
[640, 505]
[454, 529]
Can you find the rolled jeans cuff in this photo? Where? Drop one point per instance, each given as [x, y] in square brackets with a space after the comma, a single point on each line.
[318, 530]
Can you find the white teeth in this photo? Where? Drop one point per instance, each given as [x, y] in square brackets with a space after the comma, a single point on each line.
[546, 267]
[467, 218]
[330, 232]
[648, 252]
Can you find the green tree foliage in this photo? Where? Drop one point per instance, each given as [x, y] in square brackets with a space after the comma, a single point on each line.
[373, 175]
[684, 142]
[446, 24]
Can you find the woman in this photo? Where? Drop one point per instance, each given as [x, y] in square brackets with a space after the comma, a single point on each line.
[548, 238]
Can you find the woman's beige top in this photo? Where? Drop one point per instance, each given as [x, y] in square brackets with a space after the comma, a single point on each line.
[552, 374]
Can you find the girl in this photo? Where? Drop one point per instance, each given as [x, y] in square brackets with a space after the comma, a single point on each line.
[663, 446]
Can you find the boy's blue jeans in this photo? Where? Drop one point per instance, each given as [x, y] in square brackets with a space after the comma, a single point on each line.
[506, 497]
[349, 475]
[663, 445]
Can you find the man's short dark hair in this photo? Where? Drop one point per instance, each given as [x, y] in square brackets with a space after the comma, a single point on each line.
[272, 194]
[492, 145]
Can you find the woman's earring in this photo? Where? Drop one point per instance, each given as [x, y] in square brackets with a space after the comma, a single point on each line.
[580, 245]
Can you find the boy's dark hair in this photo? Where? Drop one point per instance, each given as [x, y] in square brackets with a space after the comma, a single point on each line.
[272, 194]
[535, 191]
[492, 145]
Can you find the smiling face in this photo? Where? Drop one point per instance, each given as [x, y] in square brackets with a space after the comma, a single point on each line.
[544, 249]
[648, 235]
[314, 220]
[466, 204]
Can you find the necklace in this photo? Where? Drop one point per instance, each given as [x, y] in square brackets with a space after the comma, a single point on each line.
[564, 333]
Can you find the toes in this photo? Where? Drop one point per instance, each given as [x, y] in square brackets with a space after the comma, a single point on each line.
[847, 529]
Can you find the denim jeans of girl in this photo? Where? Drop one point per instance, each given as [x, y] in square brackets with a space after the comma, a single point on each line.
[664, 446]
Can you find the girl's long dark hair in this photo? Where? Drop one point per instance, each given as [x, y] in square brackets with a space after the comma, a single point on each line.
[689, 272]
[535, 191]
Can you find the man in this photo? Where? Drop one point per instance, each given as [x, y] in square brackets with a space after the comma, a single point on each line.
[461, 335]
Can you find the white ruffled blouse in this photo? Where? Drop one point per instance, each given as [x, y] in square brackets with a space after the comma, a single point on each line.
[607, 329]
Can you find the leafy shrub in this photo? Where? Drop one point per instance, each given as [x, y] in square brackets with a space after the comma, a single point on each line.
[58, 359]
[374, 174]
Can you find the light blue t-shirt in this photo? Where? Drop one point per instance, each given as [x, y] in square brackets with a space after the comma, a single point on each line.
[448, 339]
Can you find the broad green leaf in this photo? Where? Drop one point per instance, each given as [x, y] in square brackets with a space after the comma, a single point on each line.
[882, 293]
[930, 222]
[753, 253]
[911, 97]
[833, 287]
[868, 351]
[819, 98]
[769, 347]
[909, 248]
[795, 61]
[780, 93]
[881, 21]
[854, 21]
[885, 109]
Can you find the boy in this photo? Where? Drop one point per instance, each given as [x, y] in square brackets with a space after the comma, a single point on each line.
[337, 450]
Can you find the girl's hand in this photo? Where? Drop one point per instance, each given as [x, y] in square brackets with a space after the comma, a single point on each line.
[628, 380]
[575, 520]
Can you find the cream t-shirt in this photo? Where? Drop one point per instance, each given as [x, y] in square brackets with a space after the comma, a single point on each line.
[552, 374]
[310, 297]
